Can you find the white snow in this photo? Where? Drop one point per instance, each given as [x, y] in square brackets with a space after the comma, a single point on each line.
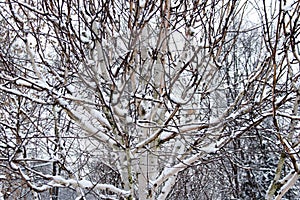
[14, 166]
[291, 116]
[58, 179]
[53, 184]
[175, 3]
[31, 41]
[23, 83]
[42, 84]
[233, 115]
[41, 188]
[85, 124]
[120, 112]
[85, 184]
[98, 115]
[288, 6]
[112, 188]
[85, 39]
[168, 172]
[25, 177]
[1, 196]
[192, 30]
[142, 3]
[211, 148]
[164, 135]
[128, 119]
[177, 99]
[288, 182]
[72, 182]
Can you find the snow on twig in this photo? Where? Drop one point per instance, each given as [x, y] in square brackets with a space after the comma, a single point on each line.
[289, 6]
[86, 184]
[18, 93]
[288, 181]
[156, 134]
[86, 125]
[59, 181]
[294, 117]
[103, 121]
[168, 172]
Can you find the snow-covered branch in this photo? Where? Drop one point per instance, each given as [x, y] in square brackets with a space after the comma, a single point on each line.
[156, 134]
[59, 181]
[99, 134]
[168, 172]
[286, 183]
[18, 93]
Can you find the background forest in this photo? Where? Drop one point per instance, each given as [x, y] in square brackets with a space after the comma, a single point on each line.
[144, 99]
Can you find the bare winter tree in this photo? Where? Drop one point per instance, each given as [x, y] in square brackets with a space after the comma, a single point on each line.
[149, 100]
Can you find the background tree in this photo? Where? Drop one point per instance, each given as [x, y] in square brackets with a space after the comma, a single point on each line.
[149, 100]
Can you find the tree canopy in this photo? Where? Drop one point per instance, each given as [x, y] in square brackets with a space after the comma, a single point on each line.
[143, 99]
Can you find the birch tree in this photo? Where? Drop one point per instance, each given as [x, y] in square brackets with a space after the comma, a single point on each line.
[148, 100]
